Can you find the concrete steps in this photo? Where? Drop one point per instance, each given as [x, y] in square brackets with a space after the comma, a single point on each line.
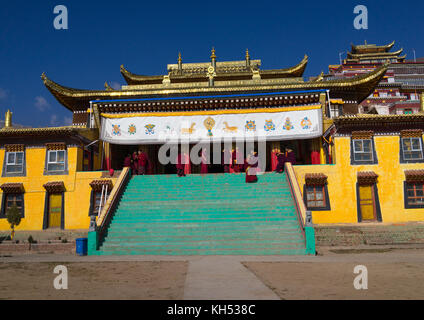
[213, 214]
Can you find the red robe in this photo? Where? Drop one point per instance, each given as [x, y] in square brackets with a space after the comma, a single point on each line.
[204, 165]
[134, 164]
[180, 165]
[127, 162]
[142, 163]
[226, 160]
[251, 170]
[235, 166]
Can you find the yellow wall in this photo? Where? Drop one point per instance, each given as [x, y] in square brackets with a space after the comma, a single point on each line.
[342, 178]
[77, 194]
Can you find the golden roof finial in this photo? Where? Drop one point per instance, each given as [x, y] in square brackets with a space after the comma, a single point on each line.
[213, 56]
[8, 119]
[179, 57]
[247, 54]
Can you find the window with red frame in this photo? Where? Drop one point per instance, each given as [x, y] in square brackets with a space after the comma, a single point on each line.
[315, 196]
[415, 194]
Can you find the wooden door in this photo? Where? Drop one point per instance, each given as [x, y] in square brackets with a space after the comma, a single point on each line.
[367, 203]
[55, 210]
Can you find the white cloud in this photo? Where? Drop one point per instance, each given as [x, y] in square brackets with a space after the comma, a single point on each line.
[3, 94]
[67, 121]
[115, 85]
[41, 103]
[53, 119]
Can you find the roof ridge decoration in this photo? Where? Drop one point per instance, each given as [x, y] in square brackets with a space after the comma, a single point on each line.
[355, 88]
[384, 48]
[224, 69]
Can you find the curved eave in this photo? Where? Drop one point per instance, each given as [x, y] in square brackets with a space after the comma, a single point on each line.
[377, 54]
[359, 48]
[49, 131]
[296, 71]
[356, 88]
[134, 79]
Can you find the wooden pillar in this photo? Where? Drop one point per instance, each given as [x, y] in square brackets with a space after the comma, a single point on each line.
[323, 102]
[315, 151]
[422, 102]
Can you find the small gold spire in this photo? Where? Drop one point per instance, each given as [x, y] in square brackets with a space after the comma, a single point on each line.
[213, 56]
[8, 119]
[247, 54]
[179, 57]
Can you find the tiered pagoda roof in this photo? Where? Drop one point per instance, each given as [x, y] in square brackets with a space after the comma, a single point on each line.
[231, 77]
[371, 53]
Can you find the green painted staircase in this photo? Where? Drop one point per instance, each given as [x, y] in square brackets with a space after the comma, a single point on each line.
[212, 214]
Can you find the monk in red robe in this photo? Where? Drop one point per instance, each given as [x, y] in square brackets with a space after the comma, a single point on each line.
[204, 164]
[226, 160]
[134, 163]
[251, 167]
[282, 158]
[127, 161]
[142, 162]
[235, 166]
[180, 165]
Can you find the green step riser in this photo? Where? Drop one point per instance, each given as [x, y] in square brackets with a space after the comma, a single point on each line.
[134, 213]
[244, 252]
[205, 215]
[211, 246]
[148, 238]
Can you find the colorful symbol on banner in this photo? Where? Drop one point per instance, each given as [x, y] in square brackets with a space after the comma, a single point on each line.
[116, 129]
[209, 124]
[150, 129]
[269, 126]
[306, 123]
[288, 125]
[250, 126]
[188, 130]
[132, 129]
[228, 128]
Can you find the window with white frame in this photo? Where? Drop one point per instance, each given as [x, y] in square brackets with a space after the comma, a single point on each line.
[334, 110]
[412, 149]
[56, 160]
[362, 150]
[14, 162]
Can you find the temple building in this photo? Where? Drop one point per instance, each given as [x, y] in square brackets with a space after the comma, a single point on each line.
[348, 167]
[399, 91]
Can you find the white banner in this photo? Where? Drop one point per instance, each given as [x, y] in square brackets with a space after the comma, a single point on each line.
[227, 125]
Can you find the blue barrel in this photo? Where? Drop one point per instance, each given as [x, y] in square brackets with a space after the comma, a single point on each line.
[81, 245]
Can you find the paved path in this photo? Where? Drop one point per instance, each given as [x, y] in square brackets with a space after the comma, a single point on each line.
[223, 278]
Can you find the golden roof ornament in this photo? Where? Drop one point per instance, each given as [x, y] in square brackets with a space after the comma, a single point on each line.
[8, 119]
[247, 58]
[179, 57]
[213, 56]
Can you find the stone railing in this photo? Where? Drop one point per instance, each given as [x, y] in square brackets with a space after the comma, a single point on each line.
[98, 228]
[304, 216]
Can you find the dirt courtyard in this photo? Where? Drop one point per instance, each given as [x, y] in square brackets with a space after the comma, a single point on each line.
[329, 281]
[99, 281]
[392, 274]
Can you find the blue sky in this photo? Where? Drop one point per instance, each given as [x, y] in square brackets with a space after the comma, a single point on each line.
[146, 36]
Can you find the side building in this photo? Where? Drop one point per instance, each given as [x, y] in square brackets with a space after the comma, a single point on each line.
[51, 175]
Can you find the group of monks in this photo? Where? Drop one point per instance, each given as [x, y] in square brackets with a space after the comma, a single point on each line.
[138, 162]
[282, 157]
[231, 160]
